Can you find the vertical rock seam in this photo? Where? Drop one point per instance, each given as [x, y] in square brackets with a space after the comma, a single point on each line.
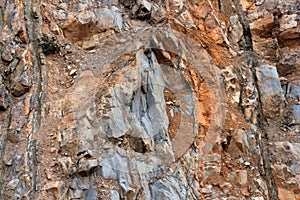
[246, 28]
[33, 26]
[262, 137]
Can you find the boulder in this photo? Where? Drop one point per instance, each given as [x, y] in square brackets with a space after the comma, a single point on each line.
[270, 91]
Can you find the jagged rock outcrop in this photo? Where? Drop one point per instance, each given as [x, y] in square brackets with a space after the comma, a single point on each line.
[149, 99]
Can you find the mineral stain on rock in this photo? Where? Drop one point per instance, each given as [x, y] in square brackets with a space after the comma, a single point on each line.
[150, 100]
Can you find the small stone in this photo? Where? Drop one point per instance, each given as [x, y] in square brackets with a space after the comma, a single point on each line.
[7, 55]
[52, 149]
[48, 174]
[73, 72]
[68, 67]
[58, 185]
[21, 86]
[85, 165]
[247, 164]
[241, 160]
[13, 137]
[12, 184]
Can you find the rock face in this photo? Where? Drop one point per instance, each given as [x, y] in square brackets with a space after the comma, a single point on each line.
[149, 99]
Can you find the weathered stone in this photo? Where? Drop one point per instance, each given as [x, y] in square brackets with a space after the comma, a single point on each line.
[294, 92]
[288, 21]
[76, 194]
[212, 165]
[92, 194]
[231, 84]
[92, 43]
[285, 194]
[14, 137]
[66, 164]
[168, 189]
[20, 87]
[4, 101]
[239, 144]
[271, 94]
[7, 55]
[263, 26]
[114, 195]
[144, 116]
[86, 165]
[75, 27]
[237, 29]
[241, 177]
[11, 185]
[104, 19]
[58, 186]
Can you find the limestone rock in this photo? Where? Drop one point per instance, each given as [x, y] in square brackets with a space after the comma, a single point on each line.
[231, 84]
[212, 164]
[92, 194]
[288, 21]
[159, 100]
[114, 195]
[271, 93]
[167, 189]
[239, 144]
[86, 165]
[58, 186]
[294, 92]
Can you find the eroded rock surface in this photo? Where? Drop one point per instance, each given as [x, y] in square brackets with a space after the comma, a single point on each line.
[149, 99]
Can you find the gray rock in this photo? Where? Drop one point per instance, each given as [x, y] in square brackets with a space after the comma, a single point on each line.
[104, 19]
[62, 15]
[167, 188]
[288, 21]
[118, 20]
[92, 194]
[296, 113]
[286, 161]
[294, 92]
[75, 194]
[237, 29]
[86, 165]
[116, 167]
[114, 195]
[4, 102]
[270, 91]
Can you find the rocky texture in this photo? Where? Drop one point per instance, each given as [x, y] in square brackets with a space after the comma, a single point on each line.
[150, 100]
